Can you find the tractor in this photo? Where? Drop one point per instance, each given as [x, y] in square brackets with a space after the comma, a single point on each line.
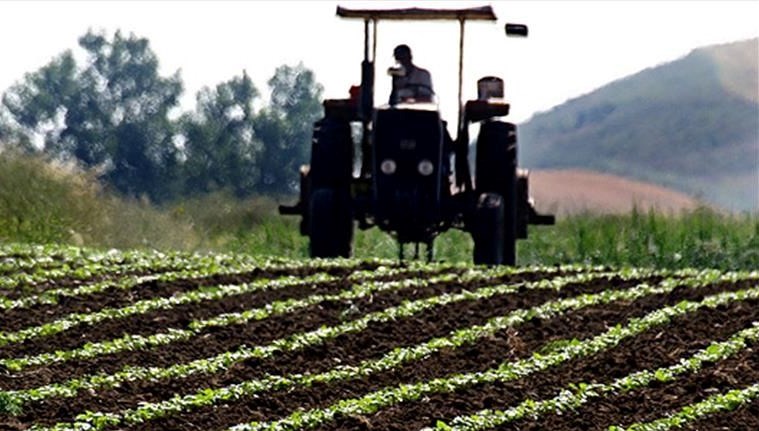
[396, 167]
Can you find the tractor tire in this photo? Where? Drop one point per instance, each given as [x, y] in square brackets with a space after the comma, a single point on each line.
[331, 154]
[510, 224]
[331, 224]
[488, 230]
[497, 173]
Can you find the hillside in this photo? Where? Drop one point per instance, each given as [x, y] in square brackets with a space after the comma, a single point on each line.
[573, 191]
[691, 124]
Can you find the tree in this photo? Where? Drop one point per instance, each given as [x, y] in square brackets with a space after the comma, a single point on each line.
[113, 114]
[285, 127]
[37, 105]
[10, 135]
[227, 145]
[220, 147]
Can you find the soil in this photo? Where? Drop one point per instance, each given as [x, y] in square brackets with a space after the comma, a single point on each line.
[661, 346]
[15, 319]
[655, 401]
[653, 349]
[377, 338]
[505, 346]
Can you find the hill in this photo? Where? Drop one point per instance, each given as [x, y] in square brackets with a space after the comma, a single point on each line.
[691, 124]
[572, 191]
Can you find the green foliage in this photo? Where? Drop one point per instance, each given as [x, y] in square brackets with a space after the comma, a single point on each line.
[8, 404]
[112, 114]
[220, 147]
[702, 238]
[227, 145]
[285, 126]
[53, 203]
[45, 208]
[43, 202]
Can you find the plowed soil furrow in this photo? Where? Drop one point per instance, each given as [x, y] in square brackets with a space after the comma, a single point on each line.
[175, 317]
[650, 350]
[744, 418]
[15, 319]
[651, 403]
[505, 346]
[215, 340]
[350, 349]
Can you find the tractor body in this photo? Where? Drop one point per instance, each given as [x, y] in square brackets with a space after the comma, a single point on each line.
[414, 180]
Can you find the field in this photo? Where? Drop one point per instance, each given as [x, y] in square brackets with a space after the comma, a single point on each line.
[572, 191]
[169, 341]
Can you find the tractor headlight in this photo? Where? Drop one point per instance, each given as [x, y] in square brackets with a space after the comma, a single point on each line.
[388, 167]
[426, 168]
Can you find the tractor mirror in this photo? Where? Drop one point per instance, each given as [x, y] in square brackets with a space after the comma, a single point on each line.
[516, 30]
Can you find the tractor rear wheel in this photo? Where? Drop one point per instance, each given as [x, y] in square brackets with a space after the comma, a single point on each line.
[331, 223]
[497, 173]
[488, 230]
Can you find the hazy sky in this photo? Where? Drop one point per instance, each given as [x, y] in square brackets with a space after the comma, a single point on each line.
[573, 47]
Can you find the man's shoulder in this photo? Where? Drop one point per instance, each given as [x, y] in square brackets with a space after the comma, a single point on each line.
[422, 71]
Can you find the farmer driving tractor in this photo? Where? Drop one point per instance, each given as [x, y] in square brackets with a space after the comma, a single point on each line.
[410, 82]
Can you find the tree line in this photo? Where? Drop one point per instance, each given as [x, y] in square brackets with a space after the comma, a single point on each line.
[116, 115]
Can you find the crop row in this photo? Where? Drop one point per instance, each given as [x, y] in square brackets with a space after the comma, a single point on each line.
[150, 267]
[83, 267]
[396, 357]
[295, 341]
[581, 393]
[189, 269]
[36, 264]
[384, 398]
[727, 401]
[203, 293]
[14, 251]
[130, 342]
[228, 343]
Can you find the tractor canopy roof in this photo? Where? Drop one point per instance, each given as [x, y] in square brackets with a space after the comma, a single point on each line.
[483, 13]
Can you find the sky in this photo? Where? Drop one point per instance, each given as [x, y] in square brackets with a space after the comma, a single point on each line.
[573, 47]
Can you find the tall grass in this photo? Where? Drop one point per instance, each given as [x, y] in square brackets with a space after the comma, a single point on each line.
[702, 238]
[42, 202]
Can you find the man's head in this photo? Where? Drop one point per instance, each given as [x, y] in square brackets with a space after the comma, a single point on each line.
[402, 54]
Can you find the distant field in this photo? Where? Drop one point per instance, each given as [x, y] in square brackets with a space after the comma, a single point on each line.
[573, 191]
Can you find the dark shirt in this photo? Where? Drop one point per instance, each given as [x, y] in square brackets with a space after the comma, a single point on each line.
[415, 84]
